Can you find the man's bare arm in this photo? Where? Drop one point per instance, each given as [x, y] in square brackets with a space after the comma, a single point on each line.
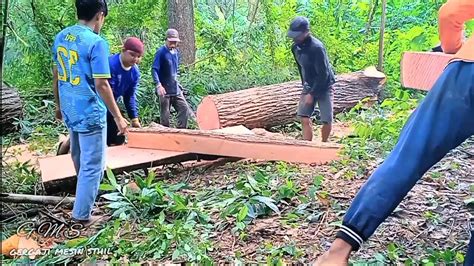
[452, 16]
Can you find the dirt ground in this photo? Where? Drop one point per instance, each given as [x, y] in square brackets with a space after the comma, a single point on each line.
[409, 227]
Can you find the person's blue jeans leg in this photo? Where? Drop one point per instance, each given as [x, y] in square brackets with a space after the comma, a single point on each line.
[90, 148]
[75, 149]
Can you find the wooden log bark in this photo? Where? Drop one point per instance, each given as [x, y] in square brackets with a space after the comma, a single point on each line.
[267, 106]
[11, 109]
[36, 199]
[420, 70]
[233, 145]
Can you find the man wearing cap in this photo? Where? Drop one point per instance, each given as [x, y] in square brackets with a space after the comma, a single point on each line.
[164, 72]
[316, 75]
[124, 80]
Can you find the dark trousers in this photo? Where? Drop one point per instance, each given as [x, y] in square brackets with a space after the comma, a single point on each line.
[469, 259]
[112, 131]
[179, 104]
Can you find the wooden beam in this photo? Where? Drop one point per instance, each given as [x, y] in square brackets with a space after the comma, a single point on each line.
[420, 70]
[233, 145]
[58, 172]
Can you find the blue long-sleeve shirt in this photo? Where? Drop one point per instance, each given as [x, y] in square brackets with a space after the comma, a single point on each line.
[124, 84]
[165, 70]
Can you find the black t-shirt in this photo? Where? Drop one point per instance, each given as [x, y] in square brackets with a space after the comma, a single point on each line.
[314, 67]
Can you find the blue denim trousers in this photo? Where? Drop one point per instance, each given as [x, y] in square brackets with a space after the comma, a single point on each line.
[88, 155]
[444, 120]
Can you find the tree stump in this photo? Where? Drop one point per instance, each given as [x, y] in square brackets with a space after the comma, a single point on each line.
[11, 108]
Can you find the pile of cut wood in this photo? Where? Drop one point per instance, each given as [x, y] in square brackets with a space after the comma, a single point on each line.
[225, 123]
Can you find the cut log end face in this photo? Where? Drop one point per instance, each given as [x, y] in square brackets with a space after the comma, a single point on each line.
[207, 115]
[11, 109]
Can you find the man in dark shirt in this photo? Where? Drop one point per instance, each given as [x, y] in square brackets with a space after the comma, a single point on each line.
[165, 72]
[316, 75]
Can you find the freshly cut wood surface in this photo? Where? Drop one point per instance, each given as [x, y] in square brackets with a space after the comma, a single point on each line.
[232, 145]
[420, 70]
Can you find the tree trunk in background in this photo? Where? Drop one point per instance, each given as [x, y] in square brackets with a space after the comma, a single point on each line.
[382, 32]
[4, 10]
[274, 105]
[181, 18]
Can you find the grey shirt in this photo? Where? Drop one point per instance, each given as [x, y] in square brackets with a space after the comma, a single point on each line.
[313, 65]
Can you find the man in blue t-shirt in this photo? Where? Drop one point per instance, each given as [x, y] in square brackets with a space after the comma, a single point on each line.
[164, 72]
[124, 83]
[83, 95]
[124, 80]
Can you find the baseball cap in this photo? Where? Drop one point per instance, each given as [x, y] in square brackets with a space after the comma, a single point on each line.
[172, 35]
[298, 26]
[134, 44]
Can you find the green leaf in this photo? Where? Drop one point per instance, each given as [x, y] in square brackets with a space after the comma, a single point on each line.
[219, 13]
[459, 257]
[106, 187]
[176, 254]
[118, 204]
[112, 196]
[242, 213]
[317, 181]
[253, 183]
[123, 216]
[76, 242]
[312, 192]
[380, 257]
[240, 226]
[111, 177]
[140, 182]
[161, 218]
[269, 202]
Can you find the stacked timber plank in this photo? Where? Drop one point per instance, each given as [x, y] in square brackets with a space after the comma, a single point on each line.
[58, 172]
[420, 70]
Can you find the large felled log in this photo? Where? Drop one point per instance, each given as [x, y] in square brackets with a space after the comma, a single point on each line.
[11, 109]
[264, 107]
[420, 70]
[232, 145]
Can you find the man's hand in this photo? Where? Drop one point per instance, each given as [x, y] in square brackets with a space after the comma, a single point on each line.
[58, 114]
[160, 90]
[136, 123]
[308, 99]
[121, 125]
